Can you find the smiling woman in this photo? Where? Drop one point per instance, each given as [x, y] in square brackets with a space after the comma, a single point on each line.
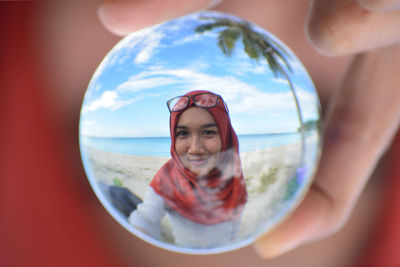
[202, 188]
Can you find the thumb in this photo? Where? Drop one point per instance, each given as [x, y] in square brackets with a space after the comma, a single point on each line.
[345, 26]
[122, 17]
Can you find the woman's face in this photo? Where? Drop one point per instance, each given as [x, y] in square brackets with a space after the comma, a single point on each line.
[197, 143]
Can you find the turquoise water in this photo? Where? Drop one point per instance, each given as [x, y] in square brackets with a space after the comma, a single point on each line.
[160, 146]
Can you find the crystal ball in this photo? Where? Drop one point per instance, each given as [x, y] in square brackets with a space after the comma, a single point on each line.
[200, 134]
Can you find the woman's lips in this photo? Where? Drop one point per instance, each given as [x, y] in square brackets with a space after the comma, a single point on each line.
[198, 162]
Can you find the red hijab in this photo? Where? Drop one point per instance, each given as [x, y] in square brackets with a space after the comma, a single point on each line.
[216, 197]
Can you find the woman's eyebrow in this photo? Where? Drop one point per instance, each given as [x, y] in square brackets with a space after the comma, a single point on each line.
[181, 127]
[208, 125]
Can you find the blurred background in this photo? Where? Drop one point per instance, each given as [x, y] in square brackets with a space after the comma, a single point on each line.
[49, 215]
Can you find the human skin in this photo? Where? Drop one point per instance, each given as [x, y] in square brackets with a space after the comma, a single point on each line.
[197, 142]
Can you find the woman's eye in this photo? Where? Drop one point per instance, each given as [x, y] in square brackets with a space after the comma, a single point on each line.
[209, 133]
[182, 134]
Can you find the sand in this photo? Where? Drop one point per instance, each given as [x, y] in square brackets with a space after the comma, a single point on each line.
[134, 172]
[267, 175]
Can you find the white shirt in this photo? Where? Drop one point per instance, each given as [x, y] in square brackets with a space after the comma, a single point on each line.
[148, 215]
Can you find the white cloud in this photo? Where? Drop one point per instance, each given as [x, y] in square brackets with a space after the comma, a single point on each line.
[147, 40]
[244, 65]
[89, 127]
[135, 85]
[109, 100]
[106, 100]
[280, 80]
[194, 37]
[241, 96]
[150, 43]
[309, 103]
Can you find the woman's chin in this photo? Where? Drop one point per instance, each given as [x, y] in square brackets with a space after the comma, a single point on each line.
[200, 171]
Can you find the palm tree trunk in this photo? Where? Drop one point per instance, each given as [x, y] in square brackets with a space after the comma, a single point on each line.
[299, 114]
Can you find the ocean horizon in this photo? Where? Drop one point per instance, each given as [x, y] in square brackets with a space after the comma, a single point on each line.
[160, 146]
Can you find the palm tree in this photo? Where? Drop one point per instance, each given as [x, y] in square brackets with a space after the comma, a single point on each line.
[256, 46]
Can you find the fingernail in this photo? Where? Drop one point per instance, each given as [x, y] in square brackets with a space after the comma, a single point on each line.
[270, 248]
[214, 3]
[270, 252]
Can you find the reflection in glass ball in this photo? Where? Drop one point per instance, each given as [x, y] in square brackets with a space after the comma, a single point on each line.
[218, 167]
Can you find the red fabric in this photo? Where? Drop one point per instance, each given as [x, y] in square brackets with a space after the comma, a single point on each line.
[383, 250]
[217, 197]
[44, 215]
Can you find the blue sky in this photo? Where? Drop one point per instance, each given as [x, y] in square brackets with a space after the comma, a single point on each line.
[128, 92]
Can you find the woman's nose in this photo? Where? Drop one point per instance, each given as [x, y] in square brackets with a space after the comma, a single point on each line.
[195, 146]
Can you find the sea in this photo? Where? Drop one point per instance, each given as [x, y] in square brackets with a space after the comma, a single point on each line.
[160, 146]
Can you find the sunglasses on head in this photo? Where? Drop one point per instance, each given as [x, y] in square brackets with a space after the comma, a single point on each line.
[202, 100]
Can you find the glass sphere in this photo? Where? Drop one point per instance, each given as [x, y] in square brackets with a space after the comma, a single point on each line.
[257, 93]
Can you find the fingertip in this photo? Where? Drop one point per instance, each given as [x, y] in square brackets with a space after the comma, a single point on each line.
[309, 222]
[316, 31]
[338, 30]
[120, 17]
[380, 6]
[325, 32]
[109, 22]
[124, 17]
[280, 240]
[324, 42]
[213, 3]
[269, 248]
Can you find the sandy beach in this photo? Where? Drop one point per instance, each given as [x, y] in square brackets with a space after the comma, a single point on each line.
[267, 174]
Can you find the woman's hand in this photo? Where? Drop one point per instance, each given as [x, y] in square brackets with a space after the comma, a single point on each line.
[363, 114]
